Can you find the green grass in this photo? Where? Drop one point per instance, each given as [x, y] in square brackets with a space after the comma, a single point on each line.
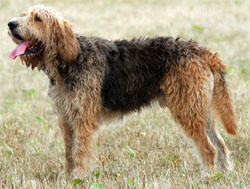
[146, 150]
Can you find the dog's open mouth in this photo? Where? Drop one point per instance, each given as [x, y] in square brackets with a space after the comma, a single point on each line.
[25, 48]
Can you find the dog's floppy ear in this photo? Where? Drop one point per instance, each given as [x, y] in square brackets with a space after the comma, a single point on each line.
[67, 45]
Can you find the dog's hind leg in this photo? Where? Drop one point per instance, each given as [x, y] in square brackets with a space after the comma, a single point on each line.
[222, 151]
[186, 90]
[194, 125]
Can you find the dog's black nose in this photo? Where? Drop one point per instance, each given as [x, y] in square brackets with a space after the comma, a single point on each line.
[13, 25]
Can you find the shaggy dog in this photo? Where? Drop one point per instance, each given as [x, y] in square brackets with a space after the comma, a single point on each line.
[92, 79]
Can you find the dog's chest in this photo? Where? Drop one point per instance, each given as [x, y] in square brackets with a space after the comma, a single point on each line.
[63, 102]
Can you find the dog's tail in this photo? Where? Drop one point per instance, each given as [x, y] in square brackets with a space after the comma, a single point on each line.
[222, 100]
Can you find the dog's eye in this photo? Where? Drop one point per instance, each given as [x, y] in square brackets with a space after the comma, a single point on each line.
[37, 18]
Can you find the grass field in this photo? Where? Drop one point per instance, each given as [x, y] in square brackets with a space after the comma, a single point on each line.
[146, 150]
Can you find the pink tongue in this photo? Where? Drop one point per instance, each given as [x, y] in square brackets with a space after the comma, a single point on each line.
[19, 50]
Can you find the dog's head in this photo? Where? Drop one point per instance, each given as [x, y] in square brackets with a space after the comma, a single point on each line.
[40, 35]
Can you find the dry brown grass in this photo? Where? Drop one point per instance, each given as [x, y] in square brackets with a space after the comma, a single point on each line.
[31, 146]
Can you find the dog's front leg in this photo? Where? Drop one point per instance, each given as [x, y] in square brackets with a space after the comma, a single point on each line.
[67, 132]
[84, 146]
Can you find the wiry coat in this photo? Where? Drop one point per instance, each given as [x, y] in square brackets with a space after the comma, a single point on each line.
[132, 71]
[93, 78]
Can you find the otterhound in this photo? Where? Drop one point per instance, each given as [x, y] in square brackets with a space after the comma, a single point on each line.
[92, 79]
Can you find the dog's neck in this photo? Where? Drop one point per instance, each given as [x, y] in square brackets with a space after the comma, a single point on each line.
[50, 68]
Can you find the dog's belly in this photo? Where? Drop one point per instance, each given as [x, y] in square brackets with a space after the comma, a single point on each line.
[129, 98]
